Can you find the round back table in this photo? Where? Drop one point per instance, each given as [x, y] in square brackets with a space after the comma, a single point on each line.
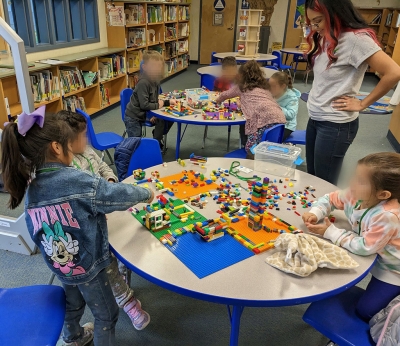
[195, 119]
[216, 71]
[261, 57]
[250, 282]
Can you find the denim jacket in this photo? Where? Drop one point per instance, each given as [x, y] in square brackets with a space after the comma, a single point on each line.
[65, 214]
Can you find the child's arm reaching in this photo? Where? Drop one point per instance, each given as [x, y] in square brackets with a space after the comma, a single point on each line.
[231, 93]
[118, 197]
[373, 238]
[326, 204]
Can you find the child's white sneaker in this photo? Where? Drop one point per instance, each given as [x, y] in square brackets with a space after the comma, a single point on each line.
[140, 318]
[86, 339]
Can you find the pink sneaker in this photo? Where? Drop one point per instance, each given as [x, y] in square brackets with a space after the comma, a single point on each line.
[140, 318]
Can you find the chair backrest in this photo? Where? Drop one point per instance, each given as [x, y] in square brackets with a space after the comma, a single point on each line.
[90, 129]
[213, 58]
[207, 80]
[125, 96]
[146, 155]
[274, 134]
[215, 63]
[279, 60]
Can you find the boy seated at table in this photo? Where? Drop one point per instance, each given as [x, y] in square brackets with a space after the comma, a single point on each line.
[145, 98]
[228, 74]
[226, 81]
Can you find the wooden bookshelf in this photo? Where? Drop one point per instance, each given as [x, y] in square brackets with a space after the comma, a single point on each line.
[249, 32]
[168, 32]
[86, 61]
[386, 22]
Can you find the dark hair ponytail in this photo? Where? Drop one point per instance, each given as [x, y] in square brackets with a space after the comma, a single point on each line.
[15, 170]
[22, 155]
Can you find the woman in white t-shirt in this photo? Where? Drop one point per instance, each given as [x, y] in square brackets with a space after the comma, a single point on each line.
[342, 47]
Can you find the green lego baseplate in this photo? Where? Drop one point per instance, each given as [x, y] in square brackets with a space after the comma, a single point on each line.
[176, 223]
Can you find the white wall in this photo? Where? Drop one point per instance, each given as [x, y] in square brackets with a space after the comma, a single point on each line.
[71, 50]
[194, 30]
[278, 22]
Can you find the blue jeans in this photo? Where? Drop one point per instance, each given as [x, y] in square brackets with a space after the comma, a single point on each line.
[377, 296]
[326, 146]
[97, 294]
[133, 127]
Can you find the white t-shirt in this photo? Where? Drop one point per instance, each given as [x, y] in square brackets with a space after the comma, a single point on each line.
[344, 77]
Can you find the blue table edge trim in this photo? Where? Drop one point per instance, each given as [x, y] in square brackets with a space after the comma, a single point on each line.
[193, 122]
[241, 302]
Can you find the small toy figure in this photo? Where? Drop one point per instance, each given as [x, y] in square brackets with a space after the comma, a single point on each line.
[139, 174]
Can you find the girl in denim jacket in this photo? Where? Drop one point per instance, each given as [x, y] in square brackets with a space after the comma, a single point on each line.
[65, 214]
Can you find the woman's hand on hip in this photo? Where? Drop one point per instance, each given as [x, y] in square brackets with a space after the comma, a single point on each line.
[348, 104]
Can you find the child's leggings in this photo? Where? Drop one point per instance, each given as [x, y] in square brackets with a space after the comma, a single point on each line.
[97, 294]
[376, 297]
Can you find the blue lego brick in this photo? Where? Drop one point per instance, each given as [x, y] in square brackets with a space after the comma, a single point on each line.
[204, 258]
[170, 193]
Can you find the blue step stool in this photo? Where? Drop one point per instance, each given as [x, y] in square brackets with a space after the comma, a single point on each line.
[32, 315]
[297, 137]
[336, 318]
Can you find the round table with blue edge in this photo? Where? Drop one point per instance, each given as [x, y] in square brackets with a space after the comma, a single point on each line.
[260, 58]
[248, 283]
[194, 119]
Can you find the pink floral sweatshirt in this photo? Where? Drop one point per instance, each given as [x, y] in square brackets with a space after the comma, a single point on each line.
[373, 231]
[258, 106]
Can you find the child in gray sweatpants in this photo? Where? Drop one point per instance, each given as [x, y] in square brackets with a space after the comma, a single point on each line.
[86, 159]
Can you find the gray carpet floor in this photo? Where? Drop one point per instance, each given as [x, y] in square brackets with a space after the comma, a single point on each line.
[179, 320]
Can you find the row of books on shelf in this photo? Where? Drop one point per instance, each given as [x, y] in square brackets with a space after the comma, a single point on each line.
[170, 13]
[183, 29]
[389, 20]
[136, 37]
[184, 12]
[176, 64]
[111, 66]
[134, 59]
[45, 86]
[73, 103]
[135, 14]
[170, 32]
[154, 14]
[171, 50]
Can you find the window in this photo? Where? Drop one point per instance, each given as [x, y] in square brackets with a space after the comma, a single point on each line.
[51, 24]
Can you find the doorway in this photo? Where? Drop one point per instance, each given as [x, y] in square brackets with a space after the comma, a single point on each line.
[217, 38]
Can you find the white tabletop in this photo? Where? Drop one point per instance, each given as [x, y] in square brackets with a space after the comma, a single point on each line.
[251, 282]
[292, 51]
[261, 56]
[215, 70]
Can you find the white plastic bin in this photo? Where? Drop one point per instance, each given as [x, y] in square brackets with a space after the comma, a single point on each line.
[276, 159]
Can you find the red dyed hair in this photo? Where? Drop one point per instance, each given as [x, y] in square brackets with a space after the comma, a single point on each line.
[340, 16]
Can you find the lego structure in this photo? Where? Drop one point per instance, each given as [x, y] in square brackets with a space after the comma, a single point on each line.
[228, 110]
[258, 205]
[139, 174]
[179, 110]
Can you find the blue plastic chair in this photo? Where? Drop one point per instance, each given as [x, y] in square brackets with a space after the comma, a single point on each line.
[125, 96]
[207, 80]
[213, 58]
[281, 66]
[297, 137]
[146, 155]
[336, 318]
[273, 134]
[31, 315]
[101, 141]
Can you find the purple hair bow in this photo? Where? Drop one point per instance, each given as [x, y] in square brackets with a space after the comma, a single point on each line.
[26, 121]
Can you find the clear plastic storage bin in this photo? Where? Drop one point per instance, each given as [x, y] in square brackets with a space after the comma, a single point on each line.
[276, 159]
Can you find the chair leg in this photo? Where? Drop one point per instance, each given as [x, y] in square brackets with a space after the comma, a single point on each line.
[110, 157]
[102, 156]
[308, 72]
[51, 280]
[204, 137]
[229, 138]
